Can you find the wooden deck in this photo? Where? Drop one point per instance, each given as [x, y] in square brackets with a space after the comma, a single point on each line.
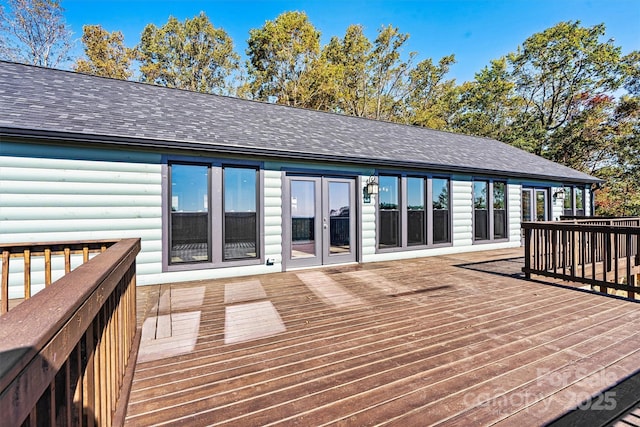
[456, 340]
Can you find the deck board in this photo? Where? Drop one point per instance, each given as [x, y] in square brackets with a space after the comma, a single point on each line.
[454, 339]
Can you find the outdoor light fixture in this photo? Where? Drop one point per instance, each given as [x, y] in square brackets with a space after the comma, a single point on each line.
[559, 194]
[370, 187]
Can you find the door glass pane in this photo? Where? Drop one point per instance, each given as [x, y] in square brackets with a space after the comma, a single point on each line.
[303, 219]
[541, 205]
[189, 213]
[440, 190]
[580, 202]
[481, 210]
[240, 217]
[526, 205]
[339, 214]
[499, 210]
[389, 210]
[416, 221]
[568, 201]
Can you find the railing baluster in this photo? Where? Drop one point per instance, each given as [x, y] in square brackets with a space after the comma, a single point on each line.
[67, 260]
[628, 258]
[27, 274]
[5, 282]
[47, 266]
[616, 257]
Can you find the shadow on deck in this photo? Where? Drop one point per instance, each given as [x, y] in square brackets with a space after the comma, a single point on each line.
[456, 340]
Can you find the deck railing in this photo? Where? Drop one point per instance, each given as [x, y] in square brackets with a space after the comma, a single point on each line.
[604, 253]
[43, 254]
[65, 351]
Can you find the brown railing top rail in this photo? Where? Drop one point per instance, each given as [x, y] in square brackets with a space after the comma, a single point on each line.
[571, 226]
[23, 333]
[37, 248]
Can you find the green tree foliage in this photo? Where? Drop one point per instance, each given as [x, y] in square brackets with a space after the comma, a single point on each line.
[106, 54]
[388, 72]
[34, 32]
[347, 62]
[432, 100]
[281, 55]
[486, 103]
[189, 55]
[553, 71]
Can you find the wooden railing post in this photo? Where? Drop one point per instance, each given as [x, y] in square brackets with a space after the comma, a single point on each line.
[527, 252]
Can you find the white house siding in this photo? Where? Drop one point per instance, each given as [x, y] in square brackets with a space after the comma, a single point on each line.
[273, 217]
[462, 210]
[50, 193]
[514, 206]
[368, 227]
[557, 204]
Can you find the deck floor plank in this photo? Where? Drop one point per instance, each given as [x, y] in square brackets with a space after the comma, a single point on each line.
[456, 339]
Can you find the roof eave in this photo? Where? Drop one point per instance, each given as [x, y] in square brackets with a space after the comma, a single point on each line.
[111, 140]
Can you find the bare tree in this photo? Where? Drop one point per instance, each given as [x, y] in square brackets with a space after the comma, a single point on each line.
[34, 32]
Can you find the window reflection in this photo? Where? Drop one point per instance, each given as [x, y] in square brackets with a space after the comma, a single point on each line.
[189, 213]
[240, 216]
[440, 200]
[389, 221]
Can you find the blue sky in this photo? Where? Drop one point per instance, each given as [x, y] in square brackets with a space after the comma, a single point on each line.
[476, 31]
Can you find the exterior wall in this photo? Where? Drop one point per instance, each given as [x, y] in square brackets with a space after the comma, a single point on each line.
[273, 218]
[557, 204]
[514, 207]
[50, 193]
[59, 193]
[368, 223]
[462, 210]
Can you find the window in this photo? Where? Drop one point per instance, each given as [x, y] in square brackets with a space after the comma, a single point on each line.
[190, 214]
[579, 201]
[416, 215]
[499, 210]
[568, 201]
[574, 201]
[240, 214]
[440, 210]
[214, 216]
[481, 210]
[389, 210]
[413, 212]
[489, 210]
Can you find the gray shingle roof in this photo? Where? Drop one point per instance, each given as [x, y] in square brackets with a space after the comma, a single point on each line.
[60, 104]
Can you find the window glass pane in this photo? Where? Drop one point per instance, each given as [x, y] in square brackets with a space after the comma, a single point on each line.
[389, 221]
[189, 213]
[416, 221]
[339, 217]
[541, 205]
[303, 219]
[580, 202]
[481, 211]
[440, 196]
[499, 210]
[240, 216]
[526, 205]
[568, 201]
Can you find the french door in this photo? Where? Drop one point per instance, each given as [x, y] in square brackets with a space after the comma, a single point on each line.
[534, 204]
[319, 221]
